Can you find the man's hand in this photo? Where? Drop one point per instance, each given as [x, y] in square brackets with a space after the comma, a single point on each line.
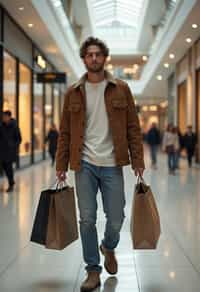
[61, 175]
[139, 171]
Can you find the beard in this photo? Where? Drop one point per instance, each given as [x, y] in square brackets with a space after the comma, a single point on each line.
[95, 68]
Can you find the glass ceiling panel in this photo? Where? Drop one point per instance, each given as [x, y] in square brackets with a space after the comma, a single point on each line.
[120, 9]
[117, 21]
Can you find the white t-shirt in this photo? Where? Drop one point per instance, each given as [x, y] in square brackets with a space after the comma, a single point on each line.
[170, 139]
[98, 146]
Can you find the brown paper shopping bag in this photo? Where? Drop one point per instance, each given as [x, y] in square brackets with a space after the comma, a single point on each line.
[62, 222]
[145, 220]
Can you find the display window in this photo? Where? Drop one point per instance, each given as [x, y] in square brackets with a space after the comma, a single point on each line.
[182, 97]
[198, 112]
[38, 119]
[25, 110]
[56, 107]
[48, 108]
[9, 80]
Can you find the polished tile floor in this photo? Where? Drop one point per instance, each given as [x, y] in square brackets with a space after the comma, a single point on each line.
[173, 267]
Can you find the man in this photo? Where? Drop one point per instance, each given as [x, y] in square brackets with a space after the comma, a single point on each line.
[52, 138]
[153, 139]
[10, 139]
[190, 141]
[99, 125]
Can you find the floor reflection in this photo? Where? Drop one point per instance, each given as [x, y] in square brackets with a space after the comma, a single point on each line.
[110, 284]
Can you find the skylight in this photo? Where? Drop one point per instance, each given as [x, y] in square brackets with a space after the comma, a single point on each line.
[117, 21]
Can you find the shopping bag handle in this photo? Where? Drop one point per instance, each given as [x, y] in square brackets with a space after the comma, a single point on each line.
[140, 179]
[59, 185]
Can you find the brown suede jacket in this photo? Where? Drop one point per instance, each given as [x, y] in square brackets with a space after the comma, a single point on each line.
[123, 121]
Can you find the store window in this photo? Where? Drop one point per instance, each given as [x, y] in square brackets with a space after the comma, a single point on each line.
[198, 113]
[25, 113]
[38, 117]
[182, 99]
[48, 108]
[9, 75]
[56, 108]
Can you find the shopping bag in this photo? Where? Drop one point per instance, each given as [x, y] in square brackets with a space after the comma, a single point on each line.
[39, 230]
[145, 220]
[62, 222]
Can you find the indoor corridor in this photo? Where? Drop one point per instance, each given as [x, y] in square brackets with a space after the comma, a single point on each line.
[173, 267]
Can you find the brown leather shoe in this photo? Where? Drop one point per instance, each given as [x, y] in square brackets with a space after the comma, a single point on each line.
[91, 282]
[110, 262]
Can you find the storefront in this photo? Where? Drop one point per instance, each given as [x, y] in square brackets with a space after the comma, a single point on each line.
[182, 106]
[35, 106]
[188, 92]
[198, 109]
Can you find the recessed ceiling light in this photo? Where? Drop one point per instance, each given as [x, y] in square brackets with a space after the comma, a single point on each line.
[194, 25]
[166, 65]
[172, 56]
[153, 108]
[144, 58]
[21, 8]
[159, 77]
[136, 66]
[188, 40]
[30, 25]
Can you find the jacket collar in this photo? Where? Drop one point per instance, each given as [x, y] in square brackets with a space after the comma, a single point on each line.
[108, 76]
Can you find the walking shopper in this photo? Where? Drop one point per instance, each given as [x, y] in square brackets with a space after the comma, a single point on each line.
[190, 141]
[170, 146]
[10, 139]
[153, 139]
[181, 146]
[99, 126]
[52, 139]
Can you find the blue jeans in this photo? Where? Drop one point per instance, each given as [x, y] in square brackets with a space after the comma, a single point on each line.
[171, 161]
[177, 158]
[153, 151]
[111, 184]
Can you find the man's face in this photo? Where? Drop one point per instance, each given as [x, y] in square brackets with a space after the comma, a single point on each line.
[94, 59]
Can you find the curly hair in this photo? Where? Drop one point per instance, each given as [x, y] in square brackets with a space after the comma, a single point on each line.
[91, 41]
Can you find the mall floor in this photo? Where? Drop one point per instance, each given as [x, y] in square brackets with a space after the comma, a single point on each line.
[173, 267]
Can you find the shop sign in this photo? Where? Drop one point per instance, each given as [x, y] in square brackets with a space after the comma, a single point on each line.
[51, 77]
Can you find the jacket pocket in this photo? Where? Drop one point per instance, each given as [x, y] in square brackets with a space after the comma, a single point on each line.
[74, 107]
[119, 104]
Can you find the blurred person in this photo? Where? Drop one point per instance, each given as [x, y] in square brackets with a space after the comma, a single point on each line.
[190, 141]
[10, 139]
[170, 145]
[99, 129]
[181, 146]
[52, 138]
[153, 139]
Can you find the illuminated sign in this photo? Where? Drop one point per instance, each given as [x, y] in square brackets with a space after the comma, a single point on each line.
[41, 62]
[51, 77]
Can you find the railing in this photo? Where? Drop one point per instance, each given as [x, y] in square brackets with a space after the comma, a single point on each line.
[61, 15]
[170, 7]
